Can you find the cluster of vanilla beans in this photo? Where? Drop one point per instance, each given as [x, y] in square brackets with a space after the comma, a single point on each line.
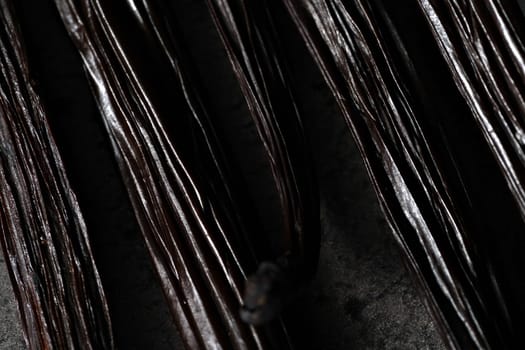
[432, 91]
[43, 234]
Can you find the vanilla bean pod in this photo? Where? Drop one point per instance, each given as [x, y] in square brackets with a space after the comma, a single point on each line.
[249, 36]
[42, 231]
[454, 208]
[172, 167]
[481, 44]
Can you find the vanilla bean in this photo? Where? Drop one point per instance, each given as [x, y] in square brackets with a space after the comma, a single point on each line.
[251, 41]
[43, 234]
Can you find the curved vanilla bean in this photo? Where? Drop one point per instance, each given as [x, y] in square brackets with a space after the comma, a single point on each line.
[437, 180]
[43, 234]
[249, 36]
[172, 167]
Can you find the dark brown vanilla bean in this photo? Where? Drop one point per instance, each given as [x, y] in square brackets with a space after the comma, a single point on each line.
[443, 154]
[486, 57]
[172, 166]
[43, 234]
[253, 47]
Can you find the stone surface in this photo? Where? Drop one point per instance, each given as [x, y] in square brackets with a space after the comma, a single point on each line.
[10, 331]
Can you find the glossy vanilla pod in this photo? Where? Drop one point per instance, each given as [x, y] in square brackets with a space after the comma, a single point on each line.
[436, 109]
[254, 50]
[42, 231]
[173, 168]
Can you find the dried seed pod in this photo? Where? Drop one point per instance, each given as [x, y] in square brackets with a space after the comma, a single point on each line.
[251, 41]
[43, 234]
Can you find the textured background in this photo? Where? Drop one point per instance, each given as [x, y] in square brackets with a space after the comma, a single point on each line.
[361, 298]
